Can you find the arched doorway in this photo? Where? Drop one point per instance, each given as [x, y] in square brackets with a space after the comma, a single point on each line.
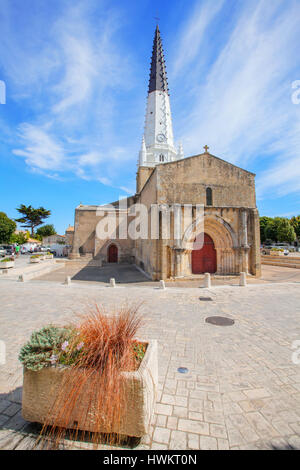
[112, 255]
[205, 260]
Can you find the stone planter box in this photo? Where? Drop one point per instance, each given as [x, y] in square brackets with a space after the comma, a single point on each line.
[49, 256]
[7, 264]
[41, 388]
[35, 260]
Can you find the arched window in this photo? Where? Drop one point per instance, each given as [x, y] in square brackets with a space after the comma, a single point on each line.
[161, 158]
[209, 199]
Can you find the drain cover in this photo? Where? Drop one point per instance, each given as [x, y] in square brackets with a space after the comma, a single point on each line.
[205, 299]
[220, 321]
[182, 370]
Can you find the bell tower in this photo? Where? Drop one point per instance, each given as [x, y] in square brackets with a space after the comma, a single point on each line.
[158, 142]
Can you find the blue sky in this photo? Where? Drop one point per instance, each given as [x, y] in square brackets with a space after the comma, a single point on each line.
[76, 75]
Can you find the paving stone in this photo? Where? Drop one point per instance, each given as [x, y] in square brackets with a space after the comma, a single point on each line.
[3, 419]
[195, 427]
[12, 409]
[4, 404]
[161, 420]
[295, 427]
[157, 446]
[234, 437]
[180, 412]
[161, 435]
[213, 417]
[195, 405]
[257, 393]
[193, 441]
[247, 431]
[168, 399]
[16, 423]
[251, 405]
[10, 439]
[172, 422]
[178, 440]
[163, 409]
[196, 416]
[294, 442]
[261, 425]
[223, 444]
[208, 443]
[217, 430]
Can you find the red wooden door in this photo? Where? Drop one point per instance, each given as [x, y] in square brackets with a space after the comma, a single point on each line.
[205, 260]
[113, 254]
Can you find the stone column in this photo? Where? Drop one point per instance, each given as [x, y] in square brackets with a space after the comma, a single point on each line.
[256, 257]
[244, 242]
[178, 261]
[76, 241]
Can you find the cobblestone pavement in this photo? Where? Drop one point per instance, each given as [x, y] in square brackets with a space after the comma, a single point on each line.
[242, 390]
[128, 274]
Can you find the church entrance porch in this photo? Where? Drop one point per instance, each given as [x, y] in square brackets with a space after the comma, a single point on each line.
[205, 259]
[112, 254]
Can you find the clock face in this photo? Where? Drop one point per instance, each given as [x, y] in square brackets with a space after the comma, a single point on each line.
[161, 138]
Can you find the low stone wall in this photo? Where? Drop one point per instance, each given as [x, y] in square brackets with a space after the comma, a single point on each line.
[284, 261]
[31, 270]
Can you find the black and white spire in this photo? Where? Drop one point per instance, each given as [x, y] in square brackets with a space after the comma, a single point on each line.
[158, 75]
[158, 143]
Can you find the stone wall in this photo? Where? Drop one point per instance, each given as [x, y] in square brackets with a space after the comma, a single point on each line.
[232, 221]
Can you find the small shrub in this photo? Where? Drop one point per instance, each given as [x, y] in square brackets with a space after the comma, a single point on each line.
[43, 344]
[6, 260]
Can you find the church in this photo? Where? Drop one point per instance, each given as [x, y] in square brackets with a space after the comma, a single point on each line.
[175, 184]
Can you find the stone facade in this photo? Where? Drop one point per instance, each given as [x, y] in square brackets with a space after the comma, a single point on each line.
[232, 219]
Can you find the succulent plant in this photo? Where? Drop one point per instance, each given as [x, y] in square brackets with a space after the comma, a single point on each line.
[37, 352]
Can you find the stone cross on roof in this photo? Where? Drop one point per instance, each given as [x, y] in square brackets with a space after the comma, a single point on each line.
[206, 147]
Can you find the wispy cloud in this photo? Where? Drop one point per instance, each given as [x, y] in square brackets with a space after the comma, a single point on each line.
[73, 99]
[192, 34]
[40, 149]
[242, 106]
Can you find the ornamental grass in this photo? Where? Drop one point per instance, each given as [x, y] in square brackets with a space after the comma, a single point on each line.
[102, 347]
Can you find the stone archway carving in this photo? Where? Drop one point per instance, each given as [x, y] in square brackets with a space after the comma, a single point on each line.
[225, 241]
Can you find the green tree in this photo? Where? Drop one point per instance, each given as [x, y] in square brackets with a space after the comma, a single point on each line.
[264, 221]
[270, 231]
[271, 228]
[32, 218]
[295, 222]
[19, 238]
[45, 231]
[285, 231]
[7, 228]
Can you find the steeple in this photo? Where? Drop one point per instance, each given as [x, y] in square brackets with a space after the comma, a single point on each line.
[158, 142]
[158, 74]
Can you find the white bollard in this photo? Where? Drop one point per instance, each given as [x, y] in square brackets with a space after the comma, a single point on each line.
[243, 280]
[21, 278]
[162, 285]
[112, 282]
[68, 281]
[207, 281]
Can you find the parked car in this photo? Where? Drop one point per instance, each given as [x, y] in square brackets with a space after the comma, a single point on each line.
[2, 252]
[9, 249]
